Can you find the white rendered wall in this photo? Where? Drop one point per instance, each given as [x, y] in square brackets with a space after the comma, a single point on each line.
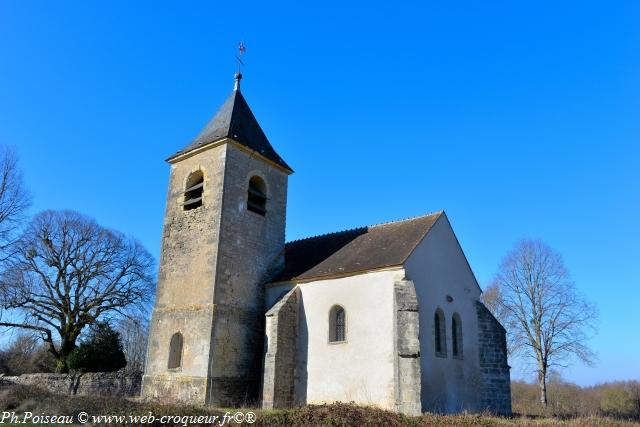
[362, 368]
[439, 269]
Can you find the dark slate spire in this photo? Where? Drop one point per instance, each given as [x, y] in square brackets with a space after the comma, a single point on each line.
[235, 120]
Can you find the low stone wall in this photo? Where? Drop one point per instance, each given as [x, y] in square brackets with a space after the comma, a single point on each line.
[95, 384]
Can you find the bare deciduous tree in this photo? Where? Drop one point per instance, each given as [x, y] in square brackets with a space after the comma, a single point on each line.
[492, 299]
[26, 354]
[68, 273]
[133, 335]
[14, 199]
[545, 317]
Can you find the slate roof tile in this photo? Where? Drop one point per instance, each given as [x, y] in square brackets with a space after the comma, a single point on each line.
[235, 120]
[351, 251]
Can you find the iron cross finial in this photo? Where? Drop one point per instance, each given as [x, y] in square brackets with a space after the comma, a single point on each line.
[241, 50]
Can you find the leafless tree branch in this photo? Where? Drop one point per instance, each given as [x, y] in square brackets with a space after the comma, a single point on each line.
[68, 272]
[546, 318]
[14, 200]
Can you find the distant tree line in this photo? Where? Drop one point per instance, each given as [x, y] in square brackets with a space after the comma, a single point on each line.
[26, 354]
[103, 349]
[620, 399]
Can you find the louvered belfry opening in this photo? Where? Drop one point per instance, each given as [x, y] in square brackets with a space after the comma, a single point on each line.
[257, 196]
[193, 192]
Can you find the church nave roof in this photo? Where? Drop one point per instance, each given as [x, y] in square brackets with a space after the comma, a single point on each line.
[359, 249]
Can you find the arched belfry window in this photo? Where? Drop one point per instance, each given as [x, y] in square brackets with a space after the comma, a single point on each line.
[257, 196]
[456, 336]
[175, 351]
[337, 324]
[193, 191]
[440, 334]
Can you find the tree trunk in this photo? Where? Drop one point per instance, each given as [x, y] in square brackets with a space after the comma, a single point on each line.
[61, 366]
[542, 382]
[66, 347]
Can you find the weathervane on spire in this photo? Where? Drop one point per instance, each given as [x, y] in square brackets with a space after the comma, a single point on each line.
[241, 51]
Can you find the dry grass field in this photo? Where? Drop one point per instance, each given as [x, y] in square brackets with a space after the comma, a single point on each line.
[21, 400]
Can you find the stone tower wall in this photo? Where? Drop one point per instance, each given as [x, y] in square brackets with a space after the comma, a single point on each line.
[251, 248]
[185, 294]
[213, 263]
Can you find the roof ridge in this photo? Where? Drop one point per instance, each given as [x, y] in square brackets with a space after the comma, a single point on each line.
[411, 218]
[317, 236]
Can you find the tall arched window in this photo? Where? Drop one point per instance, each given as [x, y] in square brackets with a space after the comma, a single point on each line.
[456, 336]
[337, 324]
[257, 196]
[440, 334]
[175, 351]
[193, 191]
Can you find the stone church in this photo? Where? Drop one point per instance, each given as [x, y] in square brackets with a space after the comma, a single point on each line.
[387, 314]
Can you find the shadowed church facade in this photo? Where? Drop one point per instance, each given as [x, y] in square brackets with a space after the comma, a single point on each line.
[387, 314]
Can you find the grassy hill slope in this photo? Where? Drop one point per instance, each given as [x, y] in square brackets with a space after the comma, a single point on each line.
[21, 399]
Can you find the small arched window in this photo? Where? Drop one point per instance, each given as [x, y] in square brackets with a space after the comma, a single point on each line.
[257, 196]
[440, 334]
[337, 324]
[456, 336]
[175, 351]
[193, 191]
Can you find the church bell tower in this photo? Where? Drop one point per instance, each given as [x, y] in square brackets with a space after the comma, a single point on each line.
[223, 237]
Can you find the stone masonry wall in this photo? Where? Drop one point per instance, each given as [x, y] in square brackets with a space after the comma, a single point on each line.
[492, 345]
[185, 294]
[213, 263]
[408, 349]
[94, 384]
[251, 248]
[280, 352]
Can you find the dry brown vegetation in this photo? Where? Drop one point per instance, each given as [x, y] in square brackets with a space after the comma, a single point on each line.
[616, 399]
[20, 399]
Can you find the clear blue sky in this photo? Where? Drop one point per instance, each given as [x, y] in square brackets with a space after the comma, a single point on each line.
[520, 119]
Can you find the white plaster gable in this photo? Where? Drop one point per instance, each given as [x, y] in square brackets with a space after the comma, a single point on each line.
[443, 280]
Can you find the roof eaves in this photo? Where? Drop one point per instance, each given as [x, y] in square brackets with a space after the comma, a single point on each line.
[183, 154]
[284, 167]
[320, 277]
